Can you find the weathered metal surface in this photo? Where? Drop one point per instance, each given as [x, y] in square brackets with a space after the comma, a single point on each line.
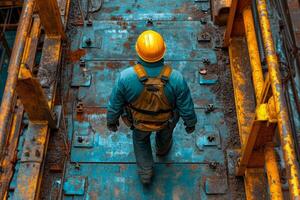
[254, 57]
[92, 142]
[31, 162]
[105, 73]
[243, 90]
[107, 159]
[284, 126]
[183, 10]
[33, 98]
[255, 182]
[15, 61]
[120, 181]
[216, 185]
[50, 16]
[75, 185]
[116, 40]
[220, 11]
[273, 173]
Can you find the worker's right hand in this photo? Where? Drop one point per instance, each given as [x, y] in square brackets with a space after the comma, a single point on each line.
[113, 126]
[190, 129]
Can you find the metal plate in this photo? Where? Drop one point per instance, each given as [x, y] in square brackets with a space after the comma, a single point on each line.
[117, 147]
[120, 181]
[118, 40]
[160, 10]
[105, 73]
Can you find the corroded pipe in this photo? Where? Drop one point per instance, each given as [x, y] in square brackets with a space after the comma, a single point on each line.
[7, 101]
[258, 83]
[284, 125]
[273, 173]
[257, 73]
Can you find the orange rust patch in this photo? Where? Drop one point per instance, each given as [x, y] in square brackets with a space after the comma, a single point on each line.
[114, 65]
[194, 167]
[74, 56]
[126, 45]
[123, 167]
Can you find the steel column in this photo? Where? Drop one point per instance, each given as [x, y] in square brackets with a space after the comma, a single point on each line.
[284, 126]
[13, 70]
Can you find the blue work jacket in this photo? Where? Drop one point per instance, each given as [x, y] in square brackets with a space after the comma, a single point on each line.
[128, 88]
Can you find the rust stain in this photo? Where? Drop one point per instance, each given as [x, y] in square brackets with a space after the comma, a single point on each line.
[123, 167]
[116, 192]
[117, 18]
[194, 167]
[74, 56]
[122, 24]
[110, 10]
[114, 65]
[133, 26]
[127, 45]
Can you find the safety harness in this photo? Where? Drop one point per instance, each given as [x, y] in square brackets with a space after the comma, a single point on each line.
[152, 110]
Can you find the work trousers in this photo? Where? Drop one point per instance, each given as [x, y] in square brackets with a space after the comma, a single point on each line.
[143, 150]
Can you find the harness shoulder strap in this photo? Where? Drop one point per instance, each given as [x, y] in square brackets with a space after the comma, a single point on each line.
[166, 73]
[140, 72]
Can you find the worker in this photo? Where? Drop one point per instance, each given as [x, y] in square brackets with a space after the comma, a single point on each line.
[150, 97]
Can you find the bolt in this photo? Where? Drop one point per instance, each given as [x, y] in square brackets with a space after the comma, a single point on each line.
[206, 61]
[211, 138]
[89, 23]
[149, 22]
[88, 42]
[82, 62]
[213, 165]
[77, 166]
[79, 139]
[209, 108]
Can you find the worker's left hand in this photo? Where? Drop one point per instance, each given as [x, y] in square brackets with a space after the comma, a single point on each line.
[113, 126]
[190, 129]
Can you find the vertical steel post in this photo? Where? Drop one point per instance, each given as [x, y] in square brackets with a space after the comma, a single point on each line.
[13, 70]
[284, 125]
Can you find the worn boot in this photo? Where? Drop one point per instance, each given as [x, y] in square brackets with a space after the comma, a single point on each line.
[146, 178]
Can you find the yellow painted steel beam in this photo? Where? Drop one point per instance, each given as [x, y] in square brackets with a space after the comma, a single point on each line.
[284, 126]
[273, 173]
[257, 73]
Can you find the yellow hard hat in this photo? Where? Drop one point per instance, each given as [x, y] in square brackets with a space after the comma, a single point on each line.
[150, 46]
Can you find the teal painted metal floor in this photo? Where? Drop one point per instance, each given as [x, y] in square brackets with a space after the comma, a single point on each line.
[102, 164]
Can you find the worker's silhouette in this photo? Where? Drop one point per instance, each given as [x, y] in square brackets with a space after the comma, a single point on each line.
[150, 97]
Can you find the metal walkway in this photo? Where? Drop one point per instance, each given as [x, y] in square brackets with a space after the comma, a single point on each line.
[102, 164]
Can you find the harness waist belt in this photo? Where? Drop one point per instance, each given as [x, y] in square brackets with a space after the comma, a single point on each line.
[147, 112]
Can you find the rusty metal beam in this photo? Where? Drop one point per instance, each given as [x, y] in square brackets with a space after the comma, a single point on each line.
[257, 73]
[31, 167]
[28, 59]
[7, 3]
[273, 173]
[230, 22]
[255, 184]
[32, 96]
[50, 17]
[13, 70]
[284, 127]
